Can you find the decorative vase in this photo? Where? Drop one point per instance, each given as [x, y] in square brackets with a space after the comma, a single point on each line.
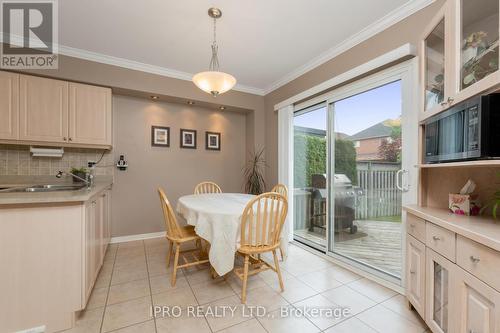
[468, 54]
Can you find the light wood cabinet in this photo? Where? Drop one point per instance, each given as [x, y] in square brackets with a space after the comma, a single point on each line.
[43, 109]
[415, 274]
[89, 114]
[53, 112]
[459, 54]
[478, 305]
[9, 106]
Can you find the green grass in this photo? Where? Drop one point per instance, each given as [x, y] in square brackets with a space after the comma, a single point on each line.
[394, 218]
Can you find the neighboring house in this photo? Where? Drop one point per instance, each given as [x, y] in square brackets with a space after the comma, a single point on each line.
[318, 132]
[368, 141]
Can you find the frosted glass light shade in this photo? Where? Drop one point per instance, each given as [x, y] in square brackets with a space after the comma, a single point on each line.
[214, 83]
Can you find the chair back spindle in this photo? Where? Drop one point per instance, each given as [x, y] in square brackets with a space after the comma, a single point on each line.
[173, 229]
[207, 187]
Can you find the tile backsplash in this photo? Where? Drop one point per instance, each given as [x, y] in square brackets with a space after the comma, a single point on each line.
[17, 161]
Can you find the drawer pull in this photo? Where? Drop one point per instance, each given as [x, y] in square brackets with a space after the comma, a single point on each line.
[412, 272]
[475, 259]
[412, 225]
[436, 238]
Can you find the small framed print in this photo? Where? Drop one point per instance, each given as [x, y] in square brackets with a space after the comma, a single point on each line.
[188, 138]
[160, 136]
[212, 141]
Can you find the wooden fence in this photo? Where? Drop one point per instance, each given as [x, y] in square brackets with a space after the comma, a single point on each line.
[381, 196]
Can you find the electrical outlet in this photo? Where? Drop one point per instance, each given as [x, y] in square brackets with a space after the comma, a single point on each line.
[91, 164]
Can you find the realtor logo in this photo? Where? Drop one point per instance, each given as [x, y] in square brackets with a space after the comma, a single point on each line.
[29, 34]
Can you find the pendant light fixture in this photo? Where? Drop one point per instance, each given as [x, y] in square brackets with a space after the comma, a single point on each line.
[214, 81]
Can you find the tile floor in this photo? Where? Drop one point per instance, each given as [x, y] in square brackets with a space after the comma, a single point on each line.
[135, 277]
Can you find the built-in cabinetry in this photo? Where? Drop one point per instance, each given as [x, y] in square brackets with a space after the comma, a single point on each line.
[459, 54]
[52, 253]
[54, 112]
[461, 289]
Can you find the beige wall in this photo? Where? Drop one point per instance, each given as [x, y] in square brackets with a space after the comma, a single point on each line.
[406, 31]
[136, 207]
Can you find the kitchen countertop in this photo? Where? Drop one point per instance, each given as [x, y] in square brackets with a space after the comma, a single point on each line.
[13, 198]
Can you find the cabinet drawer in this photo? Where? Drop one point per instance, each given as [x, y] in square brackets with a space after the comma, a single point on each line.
[415, 227]
[440, 240]
[479, 260]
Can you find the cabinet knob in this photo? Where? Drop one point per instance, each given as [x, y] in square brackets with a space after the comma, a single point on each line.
[436, 238]
[70, 139]
[64, 138]
[412, 272]
[475, 259]
[412, 225]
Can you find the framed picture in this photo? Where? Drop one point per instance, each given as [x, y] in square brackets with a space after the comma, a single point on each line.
[160, 136]
[188, 138]
[212, 141]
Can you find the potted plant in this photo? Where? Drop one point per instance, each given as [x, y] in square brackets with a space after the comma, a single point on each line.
[79, 172]
[253, 173]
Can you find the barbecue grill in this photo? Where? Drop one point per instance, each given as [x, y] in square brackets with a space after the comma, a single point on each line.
[346, 198]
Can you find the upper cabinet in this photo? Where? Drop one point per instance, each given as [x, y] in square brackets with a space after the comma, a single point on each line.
[459, 54]
[9, 106]
[54, 112]
[43, 109]
[89, 114]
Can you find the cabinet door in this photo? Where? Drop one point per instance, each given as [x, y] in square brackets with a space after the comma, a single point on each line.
[434, 73]
[98, 235]
[475, 53]
[415, 274]
[89, 114]
[439, 300]
[477, 303]
[43, 109]
[9, 106]
[89, 253]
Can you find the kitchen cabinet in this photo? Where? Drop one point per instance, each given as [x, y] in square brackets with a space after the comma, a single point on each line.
[9, 106]
[415, 274]
[459, 54]
[478, 305]
[43, 109]
[53, 112]
[89, 114]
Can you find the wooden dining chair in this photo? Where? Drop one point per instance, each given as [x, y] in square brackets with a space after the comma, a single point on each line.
[281, 189]
[207, 187]
[178, 235]
[261, 225]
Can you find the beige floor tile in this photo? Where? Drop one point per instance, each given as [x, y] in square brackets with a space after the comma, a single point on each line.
[254, 281]
[127, 291]
[161, 283]
[197, 274]
[343, 275]
[156, 268]
[270, 276]
[300, 269]
[266, 297]
[348, 298]
[399, 304]
[324, 320]
[241, 313]
[104, 278]
[372, 290]
[130, 261]
[320, 281]
[352, 325]
[128, 274]
[384, 320]
[89, 321]
[152, 242]
[182, 324]
[132, 244]
[213, 290]
[97, 298]
[176, 297]
[295, 290]
[146, 327]
[127, 313]
[249, 326]
[274, 322]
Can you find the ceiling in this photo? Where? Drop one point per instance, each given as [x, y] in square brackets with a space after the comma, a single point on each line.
[263, 43]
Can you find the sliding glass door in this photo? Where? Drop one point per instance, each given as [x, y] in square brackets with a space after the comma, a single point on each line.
[352, 156]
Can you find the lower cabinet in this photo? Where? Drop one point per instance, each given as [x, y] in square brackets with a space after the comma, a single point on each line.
[97, 235]
[415, 274]
[478, 305]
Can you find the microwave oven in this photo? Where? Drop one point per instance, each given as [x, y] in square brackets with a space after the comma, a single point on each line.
[467, 131]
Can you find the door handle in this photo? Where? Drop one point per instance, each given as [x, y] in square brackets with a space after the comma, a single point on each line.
[400, 184]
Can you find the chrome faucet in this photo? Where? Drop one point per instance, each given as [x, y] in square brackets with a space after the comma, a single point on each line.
[88, 182]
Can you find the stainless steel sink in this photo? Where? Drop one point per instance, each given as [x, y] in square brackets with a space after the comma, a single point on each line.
[44, 188]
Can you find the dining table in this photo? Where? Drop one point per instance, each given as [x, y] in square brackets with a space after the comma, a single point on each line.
[216, 217]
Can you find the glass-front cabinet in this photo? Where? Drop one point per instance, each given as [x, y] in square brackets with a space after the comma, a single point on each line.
[440, 292]
[459, 53]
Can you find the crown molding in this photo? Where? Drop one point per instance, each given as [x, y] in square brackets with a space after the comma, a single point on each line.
[380, 25]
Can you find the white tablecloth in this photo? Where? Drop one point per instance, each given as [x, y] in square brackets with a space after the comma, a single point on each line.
[217, 219]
